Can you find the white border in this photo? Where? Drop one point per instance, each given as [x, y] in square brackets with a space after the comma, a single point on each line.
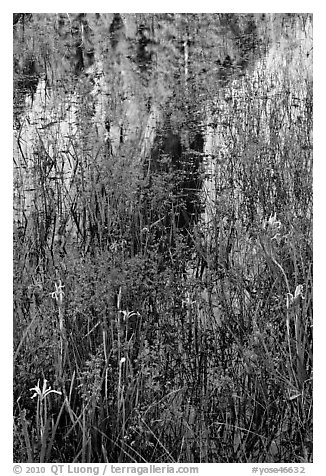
[319, 199]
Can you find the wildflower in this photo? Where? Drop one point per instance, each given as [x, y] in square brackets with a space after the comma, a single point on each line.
[114, 247]
[272, 223]
[290, 299]
[58, 293]
[127, 315]
[187, 302]
[44, 392]
[42, 415]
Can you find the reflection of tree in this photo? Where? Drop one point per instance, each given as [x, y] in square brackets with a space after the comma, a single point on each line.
[22, 17]
[116, 30]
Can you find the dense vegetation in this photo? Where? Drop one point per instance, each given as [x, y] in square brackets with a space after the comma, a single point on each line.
[163, 238]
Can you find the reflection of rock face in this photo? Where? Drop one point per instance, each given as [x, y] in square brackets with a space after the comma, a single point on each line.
[148, 137]
[25, 83]
[34, 147]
